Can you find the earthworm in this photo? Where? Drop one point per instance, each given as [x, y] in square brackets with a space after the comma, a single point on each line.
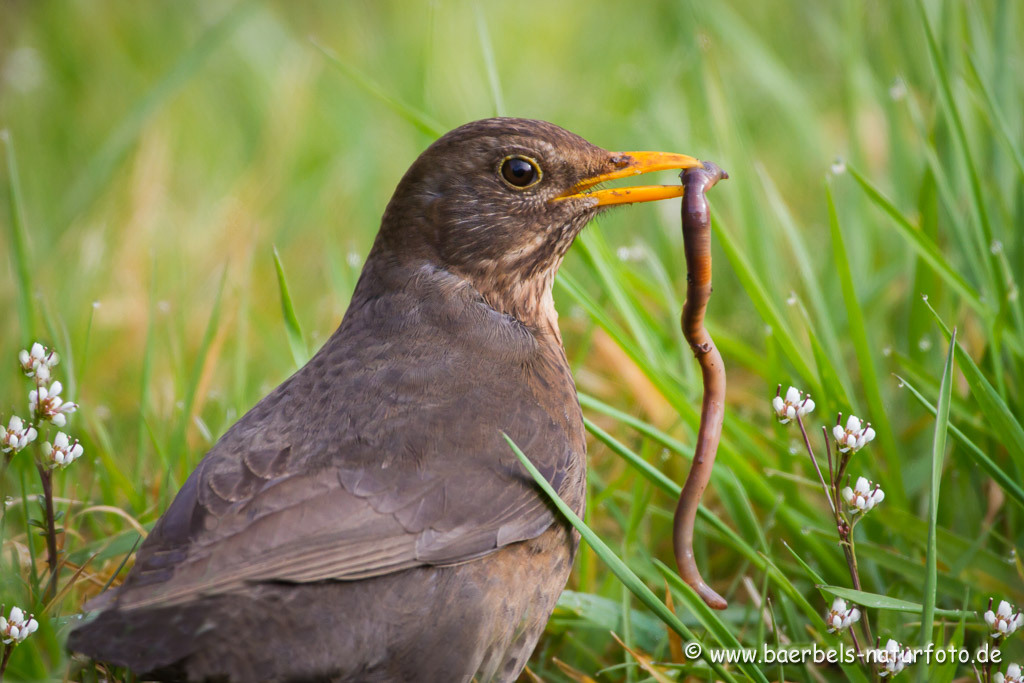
[697, 245]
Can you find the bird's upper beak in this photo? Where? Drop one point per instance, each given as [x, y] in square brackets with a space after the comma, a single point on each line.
[630, 164]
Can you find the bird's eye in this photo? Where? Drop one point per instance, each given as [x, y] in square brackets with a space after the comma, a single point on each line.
[520, 172]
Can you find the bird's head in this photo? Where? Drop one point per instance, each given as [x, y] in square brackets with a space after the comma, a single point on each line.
[499, 201]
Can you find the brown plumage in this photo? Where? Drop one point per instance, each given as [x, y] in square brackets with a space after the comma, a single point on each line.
[366, 520]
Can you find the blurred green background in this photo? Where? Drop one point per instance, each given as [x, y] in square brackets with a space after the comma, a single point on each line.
[163, 151]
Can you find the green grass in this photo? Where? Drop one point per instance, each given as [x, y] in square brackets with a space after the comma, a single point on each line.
[173, 162]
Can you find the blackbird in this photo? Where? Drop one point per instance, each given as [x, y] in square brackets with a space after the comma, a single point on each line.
[367, 521]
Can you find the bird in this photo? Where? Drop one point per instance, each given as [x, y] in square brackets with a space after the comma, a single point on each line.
[367, 520]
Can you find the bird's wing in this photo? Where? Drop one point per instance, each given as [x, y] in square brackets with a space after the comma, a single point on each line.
[406, 469]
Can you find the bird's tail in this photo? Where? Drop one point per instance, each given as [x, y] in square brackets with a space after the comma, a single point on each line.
[153, 643]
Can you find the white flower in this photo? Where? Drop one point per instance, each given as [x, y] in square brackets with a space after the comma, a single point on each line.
[62, 452]
[38, 361]
[17, 628]
[893, 659]
[855, 436]
[794, 404]
[1003, 621]
[862, 497]
[1013, 675]
[840, 618]
[16, 435]
[48, 405]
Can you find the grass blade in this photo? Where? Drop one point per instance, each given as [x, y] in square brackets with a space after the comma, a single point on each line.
[997, 413]
[938, 457]
[945, 672]
[651, 432]
[145, 380]
[643, 661]
[422, 121]
[1004, 480]
[723, 482]
[862, 347]
[963, 149]
[19, 242]
[593, 246]
[758, 294]
[920, 242]
[998, 119]
[296, 342]
[797, 245]
[708, 618]
[606, 614]
[96, 174]
[618, 567]
[884, 602]
[179, 439]
[487, 47]
[649, 471]
[995, 410]
[985, 566]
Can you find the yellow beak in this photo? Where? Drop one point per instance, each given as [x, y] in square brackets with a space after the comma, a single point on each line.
[630, 164]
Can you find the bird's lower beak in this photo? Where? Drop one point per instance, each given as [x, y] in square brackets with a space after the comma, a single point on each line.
[630, 164]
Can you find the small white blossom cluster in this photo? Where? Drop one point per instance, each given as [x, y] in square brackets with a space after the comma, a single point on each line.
[38, 361]
[1013, 675]
[862, 497]
[894, 659]
[856, 435]
[839, 618]
[63, 451]
[1003, 621]
[795, 404]
[16, 435]
[48, 405]
[16, 628]
[45, 404]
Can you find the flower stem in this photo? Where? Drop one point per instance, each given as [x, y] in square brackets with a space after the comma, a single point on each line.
[46, 478]
[8, 649]
[843, 528]
[814, 461]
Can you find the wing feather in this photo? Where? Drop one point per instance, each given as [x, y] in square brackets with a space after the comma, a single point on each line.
[352, 469]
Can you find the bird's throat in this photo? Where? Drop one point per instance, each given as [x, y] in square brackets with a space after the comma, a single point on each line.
[527, 299]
